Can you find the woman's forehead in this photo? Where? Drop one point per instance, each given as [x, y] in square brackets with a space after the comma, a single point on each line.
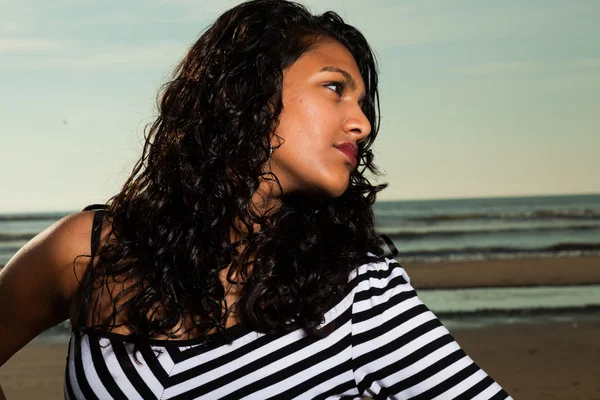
[326, 56]
[329, 51]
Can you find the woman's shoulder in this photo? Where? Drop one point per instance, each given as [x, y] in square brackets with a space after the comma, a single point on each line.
[380, 282]
[61, 242]
[74, 239]
[67, 244]
[71, 236]
[66, 247]
[377, 270]
[54, 254]
[38, 284]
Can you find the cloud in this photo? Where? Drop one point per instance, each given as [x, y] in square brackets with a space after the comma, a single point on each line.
[564, 67]
[198, 10]
[499, 68]
[119, 57]
[409, 23]
[587, 63]
[8, 27]
[156, 55]
[17, 45]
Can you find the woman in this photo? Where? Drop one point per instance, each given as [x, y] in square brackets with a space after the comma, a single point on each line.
[240, 258]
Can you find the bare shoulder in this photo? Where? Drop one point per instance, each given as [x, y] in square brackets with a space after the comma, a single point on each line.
[56, 245]
[71, 236]
[38, 284]
[68, 242]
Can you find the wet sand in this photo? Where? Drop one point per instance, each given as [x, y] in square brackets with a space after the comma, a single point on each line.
[35, 372]
[539, 361]
[496, 273]
[556, 360]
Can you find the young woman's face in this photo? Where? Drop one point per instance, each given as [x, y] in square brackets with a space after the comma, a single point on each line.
[321, 122]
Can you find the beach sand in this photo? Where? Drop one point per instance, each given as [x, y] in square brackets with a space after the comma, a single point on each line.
[553, 360]
[539, 361]
[558, 271]
[35, 372]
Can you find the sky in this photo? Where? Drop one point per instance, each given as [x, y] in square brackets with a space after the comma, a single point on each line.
[479, 98]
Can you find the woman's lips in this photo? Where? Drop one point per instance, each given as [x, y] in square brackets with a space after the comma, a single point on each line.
[350, 150]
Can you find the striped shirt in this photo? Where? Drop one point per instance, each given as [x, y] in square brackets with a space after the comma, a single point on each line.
[385, 344]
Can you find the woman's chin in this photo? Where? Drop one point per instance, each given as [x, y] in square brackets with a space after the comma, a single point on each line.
[321, 191]
[335, 188]
[327, 185]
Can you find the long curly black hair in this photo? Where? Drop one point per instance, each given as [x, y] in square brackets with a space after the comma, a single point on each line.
[201, 165]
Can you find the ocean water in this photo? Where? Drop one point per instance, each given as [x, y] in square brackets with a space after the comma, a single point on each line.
[437, 230]
[481, 307]
[17, 229]
[477, 229]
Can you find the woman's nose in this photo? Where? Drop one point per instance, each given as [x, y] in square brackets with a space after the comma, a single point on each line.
[357, 124]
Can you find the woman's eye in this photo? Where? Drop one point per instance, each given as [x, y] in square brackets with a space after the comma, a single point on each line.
[338, 87]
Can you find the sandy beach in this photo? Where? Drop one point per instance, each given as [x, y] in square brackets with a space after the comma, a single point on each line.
[539, 361]
[552, 360]
[35, 372]
[558, 271]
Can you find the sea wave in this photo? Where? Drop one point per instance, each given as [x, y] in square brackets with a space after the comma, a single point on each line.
[586, 214]
[452, 233]
[32, 217]
[13, 237]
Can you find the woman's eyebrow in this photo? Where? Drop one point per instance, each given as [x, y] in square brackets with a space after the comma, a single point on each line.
[346, 74]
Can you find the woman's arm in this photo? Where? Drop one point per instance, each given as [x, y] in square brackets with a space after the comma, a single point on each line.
[38, 285]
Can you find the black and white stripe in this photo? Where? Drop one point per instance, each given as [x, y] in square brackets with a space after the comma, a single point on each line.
[385, 344]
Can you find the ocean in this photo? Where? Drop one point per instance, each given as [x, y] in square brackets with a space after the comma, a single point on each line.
[458, 229]
[436, 230]
[487, 228]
